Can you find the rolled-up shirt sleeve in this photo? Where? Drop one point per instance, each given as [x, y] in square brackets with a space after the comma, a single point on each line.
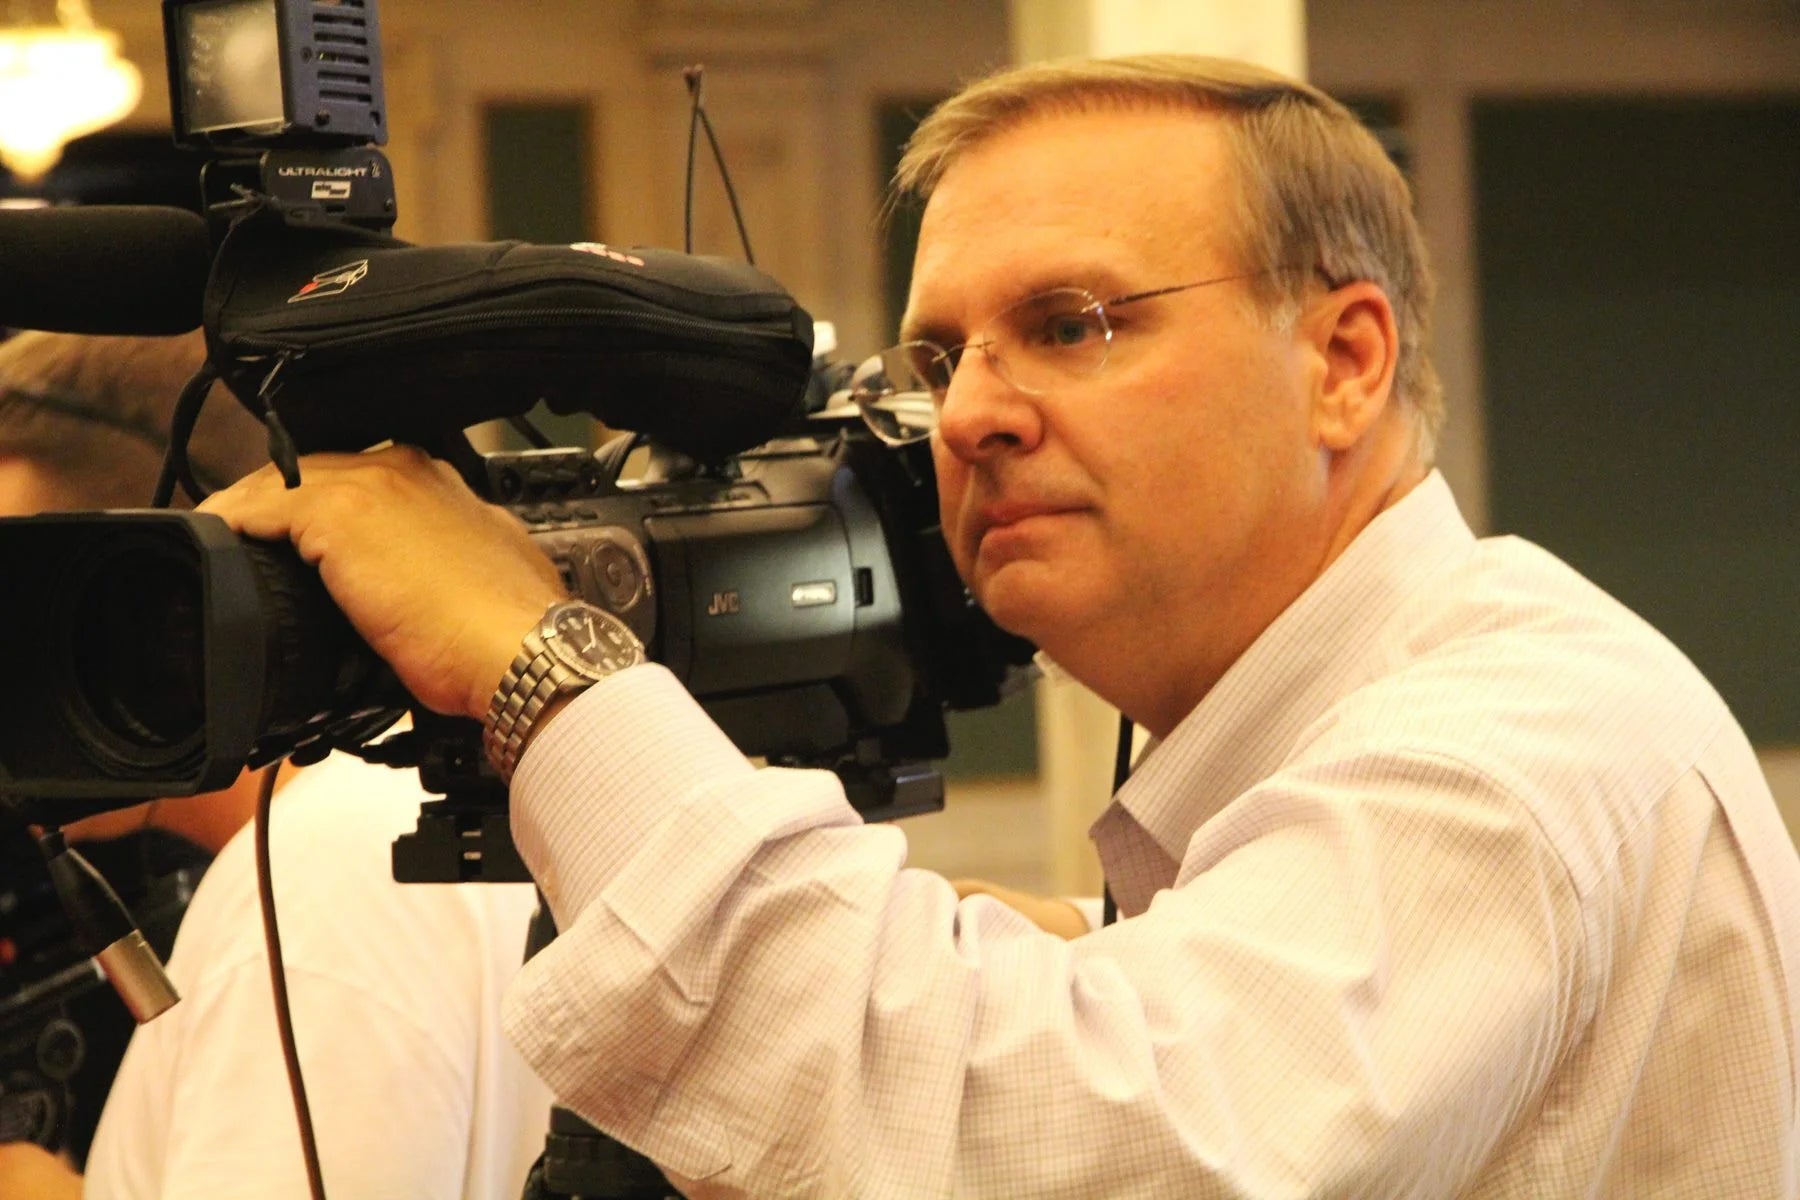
[751, 987]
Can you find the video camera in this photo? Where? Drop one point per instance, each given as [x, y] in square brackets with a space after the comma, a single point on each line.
[785, 564]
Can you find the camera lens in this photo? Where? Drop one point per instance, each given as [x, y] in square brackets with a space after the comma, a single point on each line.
[133, 635]
[138, 654]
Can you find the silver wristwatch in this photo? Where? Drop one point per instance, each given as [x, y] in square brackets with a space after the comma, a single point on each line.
[573, 647]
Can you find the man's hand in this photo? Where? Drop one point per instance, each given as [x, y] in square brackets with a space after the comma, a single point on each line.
[30, 1172]
[1046, 912]
[439, 583]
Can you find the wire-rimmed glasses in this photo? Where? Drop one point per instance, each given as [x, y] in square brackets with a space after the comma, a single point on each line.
[1037, 345]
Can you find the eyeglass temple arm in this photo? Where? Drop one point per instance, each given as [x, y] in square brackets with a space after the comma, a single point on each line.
[1133, 297]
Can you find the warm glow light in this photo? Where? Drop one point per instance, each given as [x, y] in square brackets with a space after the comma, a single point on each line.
[58, 82]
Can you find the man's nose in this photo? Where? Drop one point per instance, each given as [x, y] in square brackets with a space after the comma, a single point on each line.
[984, 413]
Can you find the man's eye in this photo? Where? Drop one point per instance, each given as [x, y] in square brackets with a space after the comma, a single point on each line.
[1067, 329]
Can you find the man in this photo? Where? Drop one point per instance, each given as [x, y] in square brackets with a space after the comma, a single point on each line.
[394, 989]
[1445, 875]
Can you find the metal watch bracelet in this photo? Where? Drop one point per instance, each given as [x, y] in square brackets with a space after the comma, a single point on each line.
[531, 682]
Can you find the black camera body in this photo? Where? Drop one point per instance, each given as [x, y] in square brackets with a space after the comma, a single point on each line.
[772, 589]
[800, 590]
[803, 595]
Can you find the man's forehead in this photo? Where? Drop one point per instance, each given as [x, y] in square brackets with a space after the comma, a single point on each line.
[945, 306]
[1109, 200]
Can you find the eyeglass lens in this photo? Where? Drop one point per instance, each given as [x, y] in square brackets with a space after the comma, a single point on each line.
[1041, 342]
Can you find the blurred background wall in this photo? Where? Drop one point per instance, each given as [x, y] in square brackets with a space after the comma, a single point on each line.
[1610, 189]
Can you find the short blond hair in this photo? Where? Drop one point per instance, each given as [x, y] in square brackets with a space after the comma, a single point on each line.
[93, 413]
[1317, 190]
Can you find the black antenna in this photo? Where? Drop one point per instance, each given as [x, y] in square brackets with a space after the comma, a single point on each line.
[698, 120]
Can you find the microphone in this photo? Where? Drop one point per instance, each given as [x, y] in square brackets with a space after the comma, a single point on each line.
[106, 931]
[109, 269]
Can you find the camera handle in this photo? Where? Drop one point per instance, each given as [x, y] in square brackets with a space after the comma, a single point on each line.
[579, 1162]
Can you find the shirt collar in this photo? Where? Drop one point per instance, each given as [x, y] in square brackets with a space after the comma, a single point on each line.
[1324, 644]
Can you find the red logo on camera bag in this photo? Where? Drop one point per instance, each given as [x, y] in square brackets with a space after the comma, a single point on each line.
[334, 282]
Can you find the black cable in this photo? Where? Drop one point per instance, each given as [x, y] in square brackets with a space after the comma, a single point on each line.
[611, 456]
[534, 437]
[282, 451]
[454, 447]
[181, 428]
[190, 484]
[737, 214]
[284, 1018]
[1122, 755]
[1121, 772]
[691, 77]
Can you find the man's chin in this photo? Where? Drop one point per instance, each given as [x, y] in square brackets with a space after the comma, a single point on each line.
[1025, 602]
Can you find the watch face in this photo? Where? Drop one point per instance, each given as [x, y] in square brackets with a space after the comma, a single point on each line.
[592, 641]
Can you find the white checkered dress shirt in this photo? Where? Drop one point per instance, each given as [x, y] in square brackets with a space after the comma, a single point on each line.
[1460, 883]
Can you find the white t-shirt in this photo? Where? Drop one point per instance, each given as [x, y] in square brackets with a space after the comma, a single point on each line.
[395, 991]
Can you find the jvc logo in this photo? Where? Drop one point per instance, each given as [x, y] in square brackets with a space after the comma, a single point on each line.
[724, 604]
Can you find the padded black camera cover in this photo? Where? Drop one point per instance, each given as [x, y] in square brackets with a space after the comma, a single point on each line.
[372, 338]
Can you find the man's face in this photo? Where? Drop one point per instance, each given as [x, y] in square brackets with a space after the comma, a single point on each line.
[1144, 524]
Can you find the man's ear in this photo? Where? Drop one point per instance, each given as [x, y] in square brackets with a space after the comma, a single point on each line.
[1352, 331]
